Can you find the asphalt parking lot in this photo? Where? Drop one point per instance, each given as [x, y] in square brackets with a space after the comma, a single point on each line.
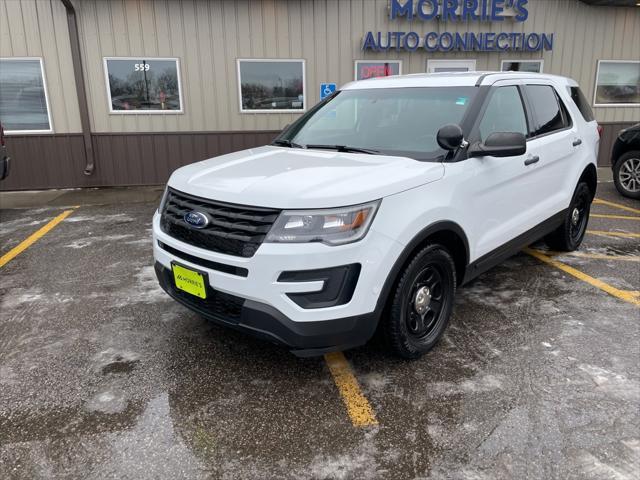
[102, 375]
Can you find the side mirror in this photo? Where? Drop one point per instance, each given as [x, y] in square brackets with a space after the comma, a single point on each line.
[500, 144]
[450, 136]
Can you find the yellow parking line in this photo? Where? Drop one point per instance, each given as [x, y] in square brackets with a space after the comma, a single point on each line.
[599, 201]
[614, 234]
[596, 256]
[615, 217]
[358, 406]
[33, 238]
[600, 235]
[626, 295]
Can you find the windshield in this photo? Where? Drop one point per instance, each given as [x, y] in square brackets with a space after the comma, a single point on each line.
[391, 121]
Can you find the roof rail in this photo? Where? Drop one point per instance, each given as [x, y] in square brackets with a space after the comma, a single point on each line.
[484, 75]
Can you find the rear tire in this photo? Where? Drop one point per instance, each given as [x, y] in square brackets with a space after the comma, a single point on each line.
[421, 303]
[626, 174]
[568, 236]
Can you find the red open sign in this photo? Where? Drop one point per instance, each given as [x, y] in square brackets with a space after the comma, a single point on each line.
[366, 70]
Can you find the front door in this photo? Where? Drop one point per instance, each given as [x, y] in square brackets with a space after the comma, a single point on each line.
[501, 191]
[435, 66]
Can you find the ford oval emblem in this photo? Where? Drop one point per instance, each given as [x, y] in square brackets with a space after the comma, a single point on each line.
[196, 219]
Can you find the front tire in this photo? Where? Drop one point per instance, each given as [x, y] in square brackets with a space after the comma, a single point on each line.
[626, 174]
[421, 303]
[568, 236]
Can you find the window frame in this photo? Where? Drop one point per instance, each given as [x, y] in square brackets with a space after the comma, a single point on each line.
[142, 112]
[357, 62]
[595, 85]
[531, 109]
[522, 60]
[46, 98]
[274, 60]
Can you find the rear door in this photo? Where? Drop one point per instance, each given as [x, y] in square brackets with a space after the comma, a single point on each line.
[555, 144]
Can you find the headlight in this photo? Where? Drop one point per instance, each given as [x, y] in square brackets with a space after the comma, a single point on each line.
[163, 199]
[335, 226]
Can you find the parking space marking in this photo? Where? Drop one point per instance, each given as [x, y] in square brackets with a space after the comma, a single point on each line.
[596, 256]
[33, 238]
[599, 201]
[358, 407]
[614, 217]
[626, 295]
[606, 233]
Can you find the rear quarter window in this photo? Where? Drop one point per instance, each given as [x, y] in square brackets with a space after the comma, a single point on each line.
[581, 102]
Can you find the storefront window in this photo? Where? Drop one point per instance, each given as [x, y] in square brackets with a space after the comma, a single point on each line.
[143, 85]
[271, 85]
[617, 83]
[24, 107]
[366, 69]
[534, 66]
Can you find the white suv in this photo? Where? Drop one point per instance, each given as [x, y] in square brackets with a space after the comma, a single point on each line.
[367, 212]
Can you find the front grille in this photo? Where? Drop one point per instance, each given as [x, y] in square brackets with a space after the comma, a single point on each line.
[233, 229]
[221, 267]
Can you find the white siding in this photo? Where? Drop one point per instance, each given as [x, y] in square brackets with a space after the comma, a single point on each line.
[208, 37]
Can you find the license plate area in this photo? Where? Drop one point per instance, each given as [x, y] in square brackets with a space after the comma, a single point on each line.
[188, 280]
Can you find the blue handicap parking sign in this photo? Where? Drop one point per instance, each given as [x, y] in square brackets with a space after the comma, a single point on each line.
[326, 89]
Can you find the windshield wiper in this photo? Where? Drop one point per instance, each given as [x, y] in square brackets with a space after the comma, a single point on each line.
[345, 148]
[286, 143]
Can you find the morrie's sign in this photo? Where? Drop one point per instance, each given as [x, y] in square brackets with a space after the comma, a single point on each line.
[458, 11]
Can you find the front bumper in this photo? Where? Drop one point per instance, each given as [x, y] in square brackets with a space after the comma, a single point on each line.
[270, 300]
[303, 338]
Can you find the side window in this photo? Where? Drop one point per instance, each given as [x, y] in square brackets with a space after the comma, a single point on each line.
[566, 116]
[504, 113]
[549, 115]
[581, 102]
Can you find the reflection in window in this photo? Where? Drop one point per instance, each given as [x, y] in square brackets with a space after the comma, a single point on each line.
[395, 121]
[143, 84]
[582, 103]
[504, 113]
[23, 99]
[271, 85]
[617, 83]
[549, 114]
[534, 66]
[366, 69]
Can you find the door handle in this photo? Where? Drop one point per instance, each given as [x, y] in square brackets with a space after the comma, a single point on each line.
[531, 160]
[577, 142]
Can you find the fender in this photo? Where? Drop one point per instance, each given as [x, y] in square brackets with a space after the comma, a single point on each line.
[590, 176]
[433, 229]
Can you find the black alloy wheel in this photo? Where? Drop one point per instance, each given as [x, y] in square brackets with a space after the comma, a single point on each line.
[424, 303]
[568, 236]
[579, 216]
[421, 303]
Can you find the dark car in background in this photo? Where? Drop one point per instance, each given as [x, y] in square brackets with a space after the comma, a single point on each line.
[625, 162]
[5, 160]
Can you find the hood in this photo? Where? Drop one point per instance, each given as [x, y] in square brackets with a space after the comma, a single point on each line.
[281, 177]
